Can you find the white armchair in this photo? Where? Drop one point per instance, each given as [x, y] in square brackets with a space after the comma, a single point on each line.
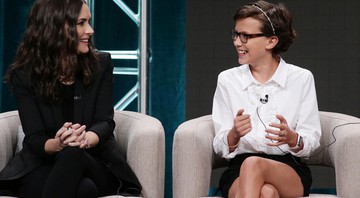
[139, 136]
[194, 158]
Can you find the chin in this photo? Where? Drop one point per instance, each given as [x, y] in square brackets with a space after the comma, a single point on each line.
[83, 51]
[241, 62]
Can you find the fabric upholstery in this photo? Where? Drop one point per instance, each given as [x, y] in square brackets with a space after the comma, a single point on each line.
[194, 158]
[140, 136]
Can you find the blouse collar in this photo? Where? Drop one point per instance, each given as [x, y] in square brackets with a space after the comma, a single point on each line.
[279, 76]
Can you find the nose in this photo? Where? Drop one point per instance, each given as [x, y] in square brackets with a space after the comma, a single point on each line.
[89, 30]
[237, 41]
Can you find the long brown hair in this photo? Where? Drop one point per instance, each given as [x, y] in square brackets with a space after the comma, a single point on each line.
[49, 48]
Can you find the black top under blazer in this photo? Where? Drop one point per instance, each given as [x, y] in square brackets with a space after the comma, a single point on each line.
[41, 120]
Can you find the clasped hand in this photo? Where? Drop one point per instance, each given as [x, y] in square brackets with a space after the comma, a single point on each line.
[72, 135]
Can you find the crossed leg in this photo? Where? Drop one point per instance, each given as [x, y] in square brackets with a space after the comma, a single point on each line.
[266, 178]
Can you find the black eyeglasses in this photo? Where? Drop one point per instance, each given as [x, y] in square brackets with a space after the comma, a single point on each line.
[244, 37]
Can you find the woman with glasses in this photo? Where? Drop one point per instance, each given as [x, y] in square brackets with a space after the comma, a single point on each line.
[64, 93]
[265, 111]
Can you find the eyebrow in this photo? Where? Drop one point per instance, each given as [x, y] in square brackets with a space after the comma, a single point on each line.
[85, 16]
[84, 19]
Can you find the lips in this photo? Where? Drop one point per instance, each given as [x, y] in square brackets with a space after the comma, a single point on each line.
[242, 51]
[84, 40]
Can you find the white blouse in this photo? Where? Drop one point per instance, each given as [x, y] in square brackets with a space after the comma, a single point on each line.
[290, 92]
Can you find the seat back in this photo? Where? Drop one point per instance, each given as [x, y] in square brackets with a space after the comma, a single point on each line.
[9, 125]
[331, 124]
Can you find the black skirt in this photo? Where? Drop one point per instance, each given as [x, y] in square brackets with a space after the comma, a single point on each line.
[233, 171]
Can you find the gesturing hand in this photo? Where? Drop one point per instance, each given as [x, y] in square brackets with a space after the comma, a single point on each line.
[282, 134]
[242, 124]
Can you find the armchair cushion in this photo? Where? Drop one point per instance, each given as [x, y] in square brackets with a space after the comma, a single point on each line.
[139, 136]
[194, 158]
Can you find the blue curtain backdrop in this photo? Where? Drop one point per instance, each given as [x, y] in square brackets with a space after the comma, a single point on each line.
[167, 72]
[13, 16]
[1, 44]
[166, 66]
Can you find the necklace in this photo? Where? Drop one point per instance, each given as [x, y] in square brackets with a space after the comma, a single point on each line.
[66, 81]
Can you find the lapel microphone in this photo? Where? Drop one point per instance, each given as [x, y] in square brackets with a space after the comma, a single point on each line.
[77, 97]
[264, 100]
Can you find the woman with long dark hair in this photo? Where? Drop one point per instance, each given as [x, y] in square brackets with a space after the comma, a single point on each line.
[64, 93]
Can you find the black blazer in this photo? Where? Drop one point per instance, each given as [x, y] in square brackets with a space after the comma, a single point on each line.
[41, 120]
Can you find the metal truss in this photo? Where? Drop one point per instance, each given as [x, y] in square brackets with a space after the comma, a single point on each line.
[139, 90]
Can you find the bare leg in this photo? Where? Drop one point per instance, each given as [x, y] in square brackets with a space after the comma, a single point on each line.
[269, 191]
[259, 175]
[234, 189]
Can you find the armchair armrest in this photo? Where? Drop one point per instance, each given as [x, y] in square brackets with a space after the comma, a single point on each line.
[142, 139]
[193, 158]
[343, 133]
[9, 124]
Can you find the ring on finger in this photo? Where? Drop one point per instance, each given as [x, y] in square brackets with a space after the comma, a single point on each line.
[282, 134]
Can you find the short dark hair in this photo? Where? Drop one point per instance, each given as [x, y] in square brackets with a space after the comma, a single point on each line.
[278, 16]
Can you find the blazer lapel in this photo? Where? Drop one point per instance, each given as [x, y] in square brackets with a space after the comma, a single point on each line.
[79, 96]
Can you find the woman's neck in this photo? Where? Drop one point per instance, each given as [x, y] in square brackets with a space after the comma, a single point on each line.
[263, 71]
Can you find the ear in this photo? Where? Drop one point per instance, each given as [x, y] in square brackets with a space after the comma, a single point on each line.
[272, 42]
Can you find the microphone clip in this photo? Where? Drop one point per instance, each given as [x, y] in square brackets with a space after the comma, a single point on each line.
[264, 100]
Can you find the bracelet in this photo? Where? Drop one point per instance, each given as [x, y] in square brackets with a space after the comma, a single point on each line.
[234, 145]
[229, 145]
[299, 143]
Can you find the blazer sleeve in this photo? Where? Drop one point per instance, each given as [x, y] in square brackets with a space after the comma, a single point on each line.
[103, 110]
[29, 112]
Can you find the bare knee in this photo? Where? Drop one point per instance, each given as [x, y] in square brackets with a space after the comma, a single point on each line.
[233, 189]
[269, 191]
[252, 164]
